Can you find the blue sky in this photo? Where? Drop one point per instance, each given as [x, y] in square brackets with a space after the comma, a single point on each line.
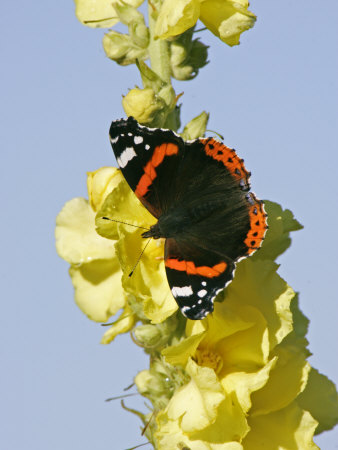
[274, 98]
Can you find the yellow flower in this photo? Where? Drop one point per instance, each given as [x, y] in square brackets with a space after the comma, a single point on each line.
[95, 269]
[250, 383]
[148, 289]
[100, 13]
[227, 19]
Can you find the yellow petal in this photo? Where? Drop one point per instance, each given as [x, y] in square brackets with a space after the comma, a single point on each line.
[122, 325]
[227, 19]
[287, 380]
[230, 425]
[256, 283]
[98, 288]
[170, 436]
[76, 239]
[122, 205]
[245, 383]
[100, 13]
[226, 320]
[180, 353]
[195, 327]
[176, 17]
[148, 283]
[196, 403]
[247, 350]
[96, 13]
[290, 428]
[100, 183]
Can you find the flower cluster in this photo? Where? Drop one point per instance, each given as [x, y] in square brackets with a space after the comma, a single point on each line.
[238, 379]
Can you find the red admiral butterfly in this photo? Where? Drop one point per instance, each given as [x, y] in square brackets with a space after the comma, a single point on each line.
[199, 192]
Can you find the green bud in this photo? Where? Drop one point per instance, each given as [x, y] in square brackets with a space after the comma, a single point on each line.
[128, 13]
[186, 62]
[144, 105]
[139, 34]
[196, 127]
[160, 382]
[153, 386]
[148, 336]
[187, 56]
[120, 48]
[198, 55]
[157, 335]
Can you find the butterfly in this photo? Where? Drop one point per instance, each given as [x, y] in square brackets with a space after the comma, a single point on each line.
[199, 192]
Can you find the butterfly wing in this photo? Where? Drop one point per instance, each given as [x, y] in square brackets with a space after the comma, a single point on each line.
[225, 222]
[148, 158]
[199, 191]
[195, 277]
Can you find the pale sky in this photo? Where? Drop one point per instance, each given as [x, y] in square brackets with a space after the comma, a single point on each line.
[274, 98]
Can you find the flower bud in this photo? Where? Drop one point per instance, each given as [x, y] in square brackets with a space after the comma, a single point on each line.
[139, 34]
[155, 336]
[121, 48]
[143, 104]
[147, 335]
[187, 57]
[196, 127]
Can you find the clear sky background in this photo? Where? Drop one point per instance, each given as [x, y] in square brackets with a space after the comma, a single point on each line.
[274, 98]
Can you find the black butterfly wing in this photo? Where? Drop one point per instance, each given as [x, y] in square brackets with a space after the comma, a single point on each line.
[212, 187]
[199, 191]
[224, 222]
[149, 158]
[195, 277]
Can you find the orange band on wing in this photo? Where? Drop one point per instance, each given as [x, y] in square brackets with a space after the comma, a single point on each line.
[258, 225]
[190, 268]
[220, 152]
[149, 170]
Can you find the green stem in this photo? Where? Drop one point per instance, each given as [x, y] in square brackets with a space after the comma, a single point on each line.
[158, 52]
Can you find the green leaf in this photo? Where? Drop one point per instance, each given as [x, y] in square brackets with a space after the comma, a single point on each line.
[320, 398]
[277, 238]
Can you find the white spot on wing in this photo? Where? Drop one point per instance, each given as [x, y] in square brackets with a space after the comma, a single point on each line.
[114, 140]
[147, 146]
[127, 155]
[204, 283]
[184, 291]
[138, 139]
[202, 293]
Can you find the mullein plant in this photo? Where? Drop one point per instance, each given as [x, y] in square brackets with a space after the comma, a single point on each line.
[239, 379]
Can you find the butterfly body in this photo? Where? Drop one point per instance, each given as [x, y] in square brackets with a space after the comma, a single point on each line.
[199, 193]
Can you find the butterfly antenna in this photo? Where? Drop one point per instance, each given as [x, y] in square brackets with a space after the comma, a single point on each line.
[138, 446]
[138, 259]
[215, 132]
[125, 223]
[118, 397]
[148, 423]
